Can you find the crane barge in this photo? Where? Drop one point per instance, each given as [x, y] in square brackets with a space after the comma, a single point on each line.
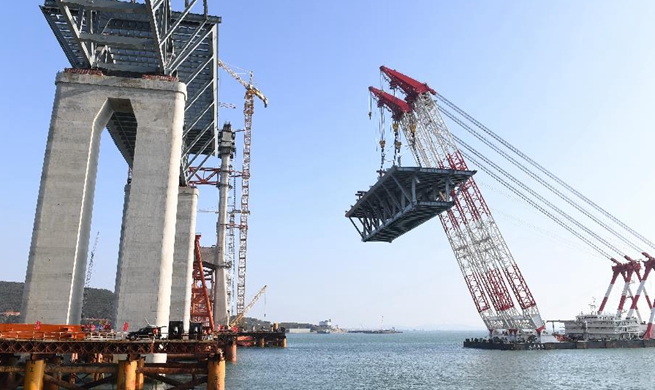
[498, 289]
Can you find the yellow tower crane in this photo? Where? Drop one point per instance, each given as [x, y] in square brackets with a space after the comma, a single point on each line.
[244, 212]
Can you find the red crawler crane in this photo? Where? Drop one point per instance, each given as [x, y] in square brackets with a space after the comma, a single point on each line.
[481, 252]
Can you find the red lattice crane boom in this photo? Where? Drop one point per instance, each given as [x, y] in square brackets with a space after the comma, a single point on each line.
[489, 269]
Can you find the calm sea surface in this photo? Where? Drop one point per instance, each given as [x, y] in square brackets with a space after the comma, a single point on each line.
[432, 360]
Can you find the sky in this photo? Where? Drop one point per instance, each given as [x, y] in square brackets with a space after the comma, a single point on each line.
[568, 83]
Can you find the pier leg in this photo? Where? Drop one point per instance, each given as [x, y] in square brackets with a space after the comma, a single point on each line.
[262, 342]
[216, 373]
[34, 374]
[284, 342]
[139, 376]
[126, 375]
[231, 352]
[57, 360]
[9, 380]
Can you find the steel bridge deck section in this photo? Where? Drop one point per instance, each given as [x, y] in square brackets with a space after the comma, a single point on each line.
[402, 199]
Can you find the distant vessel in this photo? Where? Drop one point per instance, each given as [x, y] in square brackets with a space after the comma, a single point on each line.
[375, 331]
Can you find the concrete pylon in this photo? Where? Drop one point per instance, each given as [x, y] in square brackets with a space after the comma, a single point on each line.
[54, 282]
[184, 255]
[146, 263]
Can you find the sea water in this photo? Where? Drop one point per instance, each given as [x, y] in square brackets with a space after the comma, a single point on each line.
[432, 360]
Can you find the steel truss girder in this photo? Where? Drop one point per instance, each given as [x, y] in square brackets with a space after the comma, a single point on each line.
[128, 38]
[402, 199]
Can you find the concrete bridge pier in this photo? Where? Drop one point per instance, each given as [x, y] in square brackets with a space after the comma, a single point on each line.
[83, 105]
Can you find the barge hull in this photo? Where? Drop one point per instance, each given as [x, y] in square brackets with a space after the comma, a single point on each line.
[484, 344]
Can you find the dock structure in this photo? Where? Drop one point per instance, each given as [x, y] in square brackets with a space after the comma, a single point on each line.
[404, 198]
[87, 364]
[49, 356]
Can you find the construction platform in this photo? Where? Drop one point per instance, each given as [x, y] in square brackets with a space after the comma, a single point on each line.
[530, 346]
[46, 356]
[404, 198]
[85, 364]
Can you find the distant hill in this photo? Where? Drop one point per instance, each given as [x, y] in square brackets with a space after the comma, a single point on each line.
[99, 302]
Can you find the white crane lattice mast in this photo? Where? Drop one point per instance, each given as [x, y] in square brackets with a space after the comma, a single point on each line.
[244, 212]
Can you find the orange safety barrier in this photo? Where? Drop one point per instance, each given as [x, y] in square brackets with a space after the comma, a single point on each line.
[41, 332]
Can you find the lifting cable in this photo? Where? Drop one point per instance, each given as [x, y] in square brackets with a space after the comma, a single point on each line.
[545, 171]
[528, 224]
[535, 205]
[539, 179]
[537, 196]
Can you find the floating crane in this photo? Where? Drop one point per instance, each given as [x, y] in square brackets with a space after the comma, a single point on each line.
[488, 267]
[480, 250]
[244, 211]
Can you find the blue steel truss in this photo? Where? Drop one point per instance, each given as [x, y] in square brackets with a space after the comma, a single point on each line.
[402, 199]
[132, 39]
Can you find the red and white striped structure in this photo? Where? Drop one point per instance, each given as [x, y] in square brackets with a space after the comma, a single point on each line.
[649, 265]
[489, 269]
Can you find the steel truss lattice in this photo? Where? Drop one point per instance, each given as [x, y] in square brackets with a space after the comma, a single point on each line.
[131, 39]
[402, 199]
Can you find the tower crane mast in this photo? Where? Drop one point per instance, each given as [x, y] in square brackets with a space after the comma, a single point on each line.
[482, 254]
[248, 111]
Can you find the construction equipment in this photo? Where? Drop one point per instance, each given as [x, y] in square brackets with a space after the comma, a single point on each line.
[244, 212]
[480, 250]
[226, 105]
[483, 256]
[203, 280]
[89, 270]
[240, 316]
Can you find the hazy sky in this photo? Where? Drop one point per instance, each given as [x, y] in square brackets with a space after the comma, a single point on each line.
[569, 83]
